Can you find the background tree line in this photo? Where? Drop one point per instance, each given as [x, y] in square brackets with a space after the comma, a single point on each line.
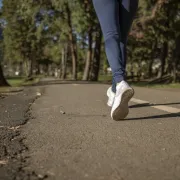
[41, 36]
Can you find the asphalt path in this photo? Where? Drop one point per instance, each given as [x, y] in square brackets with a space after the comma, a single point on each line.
[72, 137]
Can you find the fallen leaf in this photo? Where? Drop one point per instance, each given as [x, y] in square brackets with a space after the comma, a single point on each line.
[3, 162]
[62, 112]
[38, 94]
[14, 128]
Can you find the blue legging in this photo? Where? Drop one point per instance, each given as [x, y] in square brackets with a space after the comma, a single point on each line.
[116, 17]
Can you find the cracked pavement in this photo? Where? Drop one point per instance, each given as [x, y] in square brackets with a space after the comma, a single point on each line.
[14, 113]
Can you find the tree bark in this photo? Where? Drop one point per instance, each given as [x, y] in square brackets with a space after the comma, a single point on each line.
[174, 69]
[26, 67]
[3, 81]
[89, 57]
[96, 59]
[176, 59]
[72, 44]
[38, 68]
[30, 72]
[150, 67]
[164, 53]
[64, 61]
[139, 73]
[21, 69]
[154, 46]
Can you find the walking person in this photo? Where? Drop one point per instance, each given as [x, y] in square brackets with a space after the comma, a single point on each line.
[116, 17]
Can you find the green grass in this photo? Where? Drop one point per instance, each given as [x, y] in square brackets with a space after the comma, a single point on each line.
[173, 85]
[142, 83]
[145, 84]
[28, 83]
[105, 78]
[20, 81]
[10, 89]
[15, 82]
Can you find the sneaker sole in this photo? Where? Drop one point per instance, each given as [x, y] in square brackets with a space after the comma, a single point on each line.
[122, 110]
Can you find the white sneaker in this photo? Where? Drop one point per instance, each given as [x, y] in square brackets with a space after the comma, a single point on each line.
[120, 107]
[111, 96]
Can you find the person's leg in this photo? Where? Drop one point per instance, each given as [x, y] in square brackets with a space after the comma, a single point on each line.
[108, 15]
[124, 92]
[127, 11]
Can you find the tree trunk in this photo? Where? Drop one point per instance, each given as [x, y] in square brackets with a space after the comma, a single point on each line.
[3, 81]
[46, 69]
[132, 71]
[164, 53]
[31, 65]
[89, 57]
[21, 69]
[72, 44]
[174, 65]
[139, 73]
[150, 67]
[64, 61]
[96, 59]
[176, 59]
[26, 67]
[38, 69]
[154, 46]
[49, 69]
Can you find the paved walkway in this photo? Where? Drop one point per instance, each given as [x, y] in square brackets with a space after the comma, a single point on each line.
[72, 136]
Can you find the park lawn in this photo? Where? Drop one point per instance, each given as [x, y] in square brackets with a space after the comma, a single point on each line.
[105, 78]
[11, 89]
[16, 82]
[145, 84]
[172, 85]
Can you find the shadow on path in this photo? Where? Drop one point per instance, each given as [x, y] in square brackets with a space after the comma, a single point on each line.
[151, 104]
[156, 116]
[170, 115]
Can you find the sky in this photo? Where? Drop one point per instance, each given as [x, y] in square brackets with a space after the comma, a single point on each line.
[0, 3]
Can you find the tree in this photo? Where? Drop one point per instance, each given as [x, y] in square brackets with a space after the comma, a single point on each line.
[155, 34]
[66, 34]
[3, 81]
[95, 67]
